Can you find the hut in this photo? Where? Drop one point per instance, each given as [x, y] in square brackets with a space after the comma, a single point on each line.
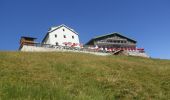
[27, 41]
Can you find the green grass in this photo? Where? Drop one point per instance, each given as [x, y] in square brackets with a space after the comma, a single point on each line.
[75, 76]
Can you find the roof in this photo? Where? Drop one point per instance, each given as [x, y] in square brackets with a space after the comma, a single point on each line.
[57, 27]
[114, 33]
[26, 37]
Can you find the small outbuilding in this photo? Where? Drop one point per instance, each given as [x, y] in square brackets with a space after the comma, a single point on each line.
[27, 41]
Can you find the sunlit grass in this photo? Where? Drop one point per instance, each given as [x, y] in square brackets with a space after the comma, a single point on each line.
[76, 76]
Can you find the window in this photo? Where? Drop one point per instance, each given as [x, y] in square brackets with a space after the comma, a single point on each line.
[56, 43]
[63, 29]
[72, 37]
[64, 36]
[55, 35]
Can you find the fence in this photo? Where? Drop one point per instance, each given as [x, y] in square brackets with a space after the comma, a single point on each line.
[86, 48]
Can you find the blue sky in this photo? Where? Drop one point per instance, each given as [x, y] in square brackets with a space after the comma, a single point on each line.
[147, 21]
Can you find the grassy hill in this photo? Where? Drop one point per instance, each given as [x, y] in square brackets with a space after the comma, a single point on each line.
[74, 76]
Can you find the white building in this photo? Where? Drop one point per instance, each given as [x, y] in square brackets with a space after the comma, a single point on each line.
[61, 35]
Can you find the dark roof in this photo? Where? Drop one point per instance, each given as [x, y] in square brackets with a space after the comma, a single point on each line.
[115, 33]
[26, 37]
[58, 28]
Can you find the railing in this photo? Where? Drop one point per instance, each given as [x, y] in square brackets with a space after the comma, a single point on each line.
[114, 43]
[86, 48]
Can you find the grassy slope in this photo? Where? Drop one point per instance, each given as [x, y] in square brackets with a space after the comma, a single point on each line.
[66, 76]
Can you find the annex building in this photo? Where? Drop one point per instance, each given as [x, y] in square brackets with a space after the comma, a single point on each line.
[113, 40]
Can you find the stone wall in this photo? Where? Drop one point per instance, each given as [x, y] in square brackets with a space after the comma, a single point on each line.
[26, 48]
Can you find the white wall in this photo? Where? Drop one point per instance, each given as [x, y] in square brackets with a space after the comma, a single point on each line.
[60, 36]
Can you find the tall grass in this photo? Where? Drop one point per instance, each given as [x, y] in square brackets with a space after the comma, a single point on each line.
[75, 76]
